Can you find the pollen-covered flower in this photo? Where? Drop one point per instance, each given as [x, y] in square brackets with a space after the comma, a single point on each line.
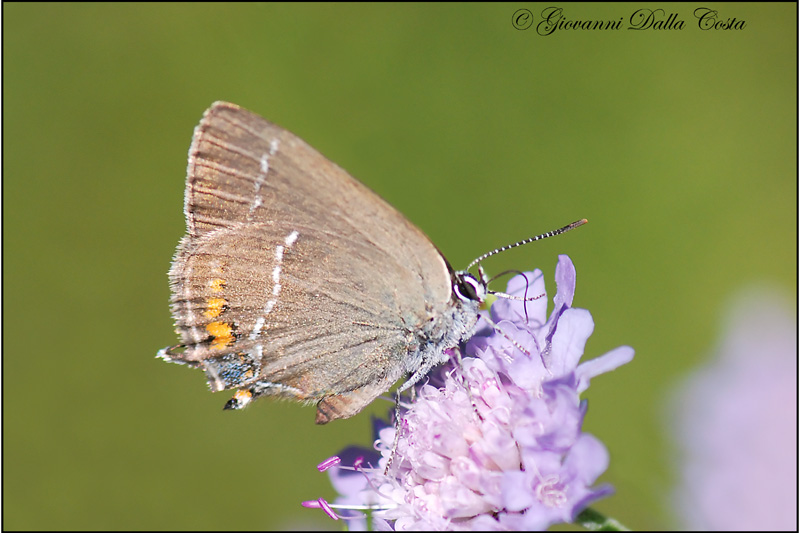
[494, 442]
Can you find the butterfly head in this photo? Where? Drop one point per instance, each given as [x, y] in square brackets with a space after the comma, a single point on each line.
[468, 288]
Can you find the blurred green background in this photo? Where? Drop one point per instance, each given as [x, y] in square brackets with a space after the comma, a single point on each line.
[678, 146]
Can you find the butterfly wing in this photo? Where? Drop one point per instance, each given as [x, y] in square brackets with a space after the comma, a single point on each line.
[294, 279]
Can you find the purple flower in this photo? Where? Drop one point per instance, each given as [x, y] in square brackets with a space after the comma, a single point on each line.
[736, 423]
[495, 442]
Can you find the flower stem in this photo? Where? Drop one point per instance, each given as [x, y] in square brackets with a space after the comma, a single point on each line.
[594, 521]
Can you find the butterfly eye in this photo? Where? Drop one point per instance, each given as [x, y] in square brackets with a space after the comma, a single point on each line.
[467, 287]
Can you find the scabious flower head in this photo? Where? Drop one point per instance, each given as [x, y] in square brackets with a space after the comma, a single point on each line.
[735, 421]
[494, 442]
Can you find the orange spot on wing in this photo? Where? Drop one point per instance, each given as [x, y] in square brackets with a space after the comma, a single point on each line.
[215, 307]
[217, 285]
[243, 395]
[222, 333]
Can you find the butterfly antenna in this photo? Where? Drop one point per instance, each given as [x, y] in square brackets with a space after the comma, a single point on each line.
[530, 240]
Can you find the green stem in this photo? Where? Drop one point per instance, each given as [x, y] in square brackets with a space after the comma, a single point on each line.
[594, 521]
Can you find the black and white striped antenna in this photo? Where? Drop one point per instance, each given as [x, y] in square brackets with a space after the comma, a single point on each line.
[553, 233]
